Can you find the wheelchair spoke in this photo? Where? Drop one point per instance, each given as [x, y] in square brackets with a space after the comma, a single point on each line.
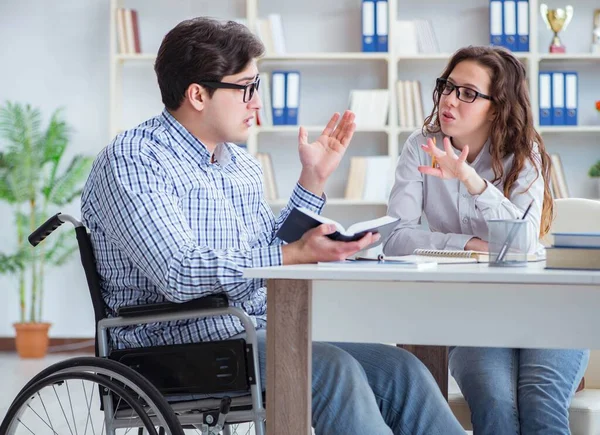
[43, 409]
[71, 405]
[128, 429]
[89, 406]
[46, 411]
[62, 409]
[25, 426]
[40, 417]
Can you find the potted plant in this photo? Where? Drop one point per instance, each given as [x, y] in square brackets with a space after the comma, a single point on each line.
[594, 172]
[35, 182]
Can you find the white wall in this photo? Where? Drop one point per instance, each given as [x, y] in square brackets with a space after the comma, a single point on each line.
[55, 54]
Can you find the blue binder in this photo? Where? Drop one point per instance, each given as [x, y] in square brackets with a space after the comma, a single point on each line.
[369, 44]
[496, 20]
[558, 98]
[545, 98]
[381, 25]
[522, 25]
[292, 97]
[278, 97]
[571, 97]
[510, 24]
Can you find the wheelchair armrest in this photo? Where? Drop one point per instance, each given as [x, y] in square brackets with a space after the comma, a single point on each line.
[193, 312]
[207, 302]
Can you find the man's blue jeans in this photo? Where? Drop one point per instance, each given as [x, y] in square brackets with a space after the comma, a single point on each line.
[372, 389]
[518, 391]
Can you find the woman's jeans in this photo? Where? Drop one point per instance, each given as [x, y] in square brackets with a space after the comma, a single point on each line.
[518, 391]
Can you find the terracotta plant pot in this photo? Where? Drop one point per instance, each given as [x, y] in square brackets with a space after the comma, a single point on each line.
[32, 339]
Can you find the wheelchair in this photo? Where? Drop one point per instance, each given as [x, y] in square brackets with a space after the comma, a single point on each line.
[204, 388]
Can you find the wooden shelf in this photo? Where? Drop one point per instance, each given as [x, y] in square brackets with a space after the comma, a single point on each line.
[326, 56]
[569, 56]
[312, 129]
[569, 129]
[446, 56]
[139, 56]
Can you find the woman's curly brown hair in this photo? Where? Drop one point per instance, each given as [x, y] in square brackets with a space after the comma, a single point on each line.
[512, 130]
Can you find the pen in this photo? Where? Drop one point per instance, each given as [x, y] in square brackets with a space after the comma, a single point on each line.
[433, 160]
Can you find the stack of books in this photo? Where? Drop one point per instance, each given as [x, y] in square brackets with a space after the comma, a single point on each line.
[370, 178]
[558, 181]
[370, 106]
[410, 104]
[415, 37]
[128, 31]
[269, 185]
[270, 32]
[574, 251]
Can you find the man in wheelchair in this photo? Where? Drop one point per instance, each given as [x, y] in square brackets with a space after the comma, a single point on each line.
[175, 210]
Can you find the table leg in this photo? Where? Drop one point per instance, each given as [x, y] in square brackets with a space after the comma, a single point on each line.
[289, 357]
[435, 359]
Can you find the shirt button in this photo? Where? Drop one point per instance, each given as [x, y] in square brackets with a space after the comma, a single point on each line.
[465, 195]
[465, 220]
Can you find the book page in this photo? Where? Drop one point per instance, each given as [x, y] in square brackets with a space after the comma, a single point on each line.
[371, 224]
[323, 219]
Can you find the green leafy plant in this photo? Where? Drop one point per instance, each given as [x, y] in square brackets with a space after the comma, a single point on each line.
[595, 170]
[35, 182]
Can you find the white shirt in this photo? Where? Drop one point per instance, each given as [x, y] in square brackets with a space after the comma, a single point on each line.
[453, 214]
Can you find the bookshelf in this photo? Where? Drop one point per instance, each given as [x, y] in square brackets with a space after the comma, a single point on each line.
[331, 64]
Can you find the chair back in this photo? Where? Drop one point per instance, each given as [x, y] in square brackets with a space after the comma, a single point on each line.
[574, 215]
[579, 215]
[88, 261]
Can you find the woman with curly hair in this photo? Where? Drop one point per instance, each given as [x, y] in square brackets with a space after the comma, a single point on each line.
[491, 165]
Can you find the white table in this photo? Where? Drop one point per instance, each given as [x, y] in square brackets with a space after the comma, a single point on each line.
[459, 304]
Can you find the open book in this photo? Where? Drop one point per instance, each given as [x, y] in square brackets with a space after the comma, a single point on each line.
[301, 220]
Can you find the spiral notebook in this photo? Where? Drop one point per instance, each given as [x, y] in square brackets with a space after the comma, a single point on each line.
[456, 256]
[438, 256]
[469, 256]
[427, 255]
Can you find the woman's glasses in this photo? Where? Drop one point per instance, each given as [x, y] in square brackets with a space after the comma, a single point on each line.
[463, 93]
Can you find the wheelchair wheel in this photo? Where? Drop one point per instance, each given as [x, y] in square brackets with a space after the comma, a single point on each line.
[89, 395]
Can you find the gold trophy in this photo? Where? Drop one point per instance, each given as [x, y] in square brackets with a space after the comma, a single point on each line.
[556, 20]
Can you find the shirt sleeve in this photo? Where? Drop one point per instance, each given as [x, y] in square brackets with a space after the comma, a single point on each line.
[136, 202]
[300, 198]
[527, 189]
[406, 203]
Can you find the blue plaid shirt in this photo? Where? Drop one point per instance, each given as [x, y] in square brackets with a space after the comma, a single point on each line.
[168, 225]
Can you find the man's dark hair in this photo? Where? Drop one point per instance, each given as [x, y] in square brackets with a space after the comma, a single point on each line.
[202, 49]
